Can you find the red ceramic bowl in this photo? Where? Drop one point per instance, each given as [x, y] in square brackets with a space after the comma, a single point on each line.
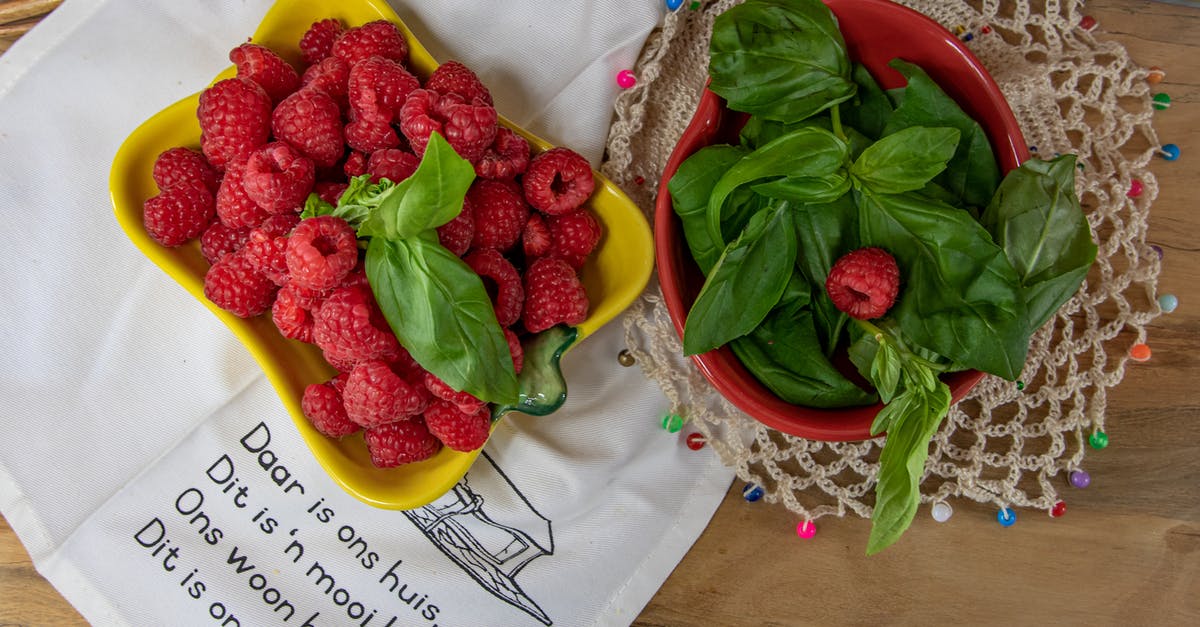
[876, 31]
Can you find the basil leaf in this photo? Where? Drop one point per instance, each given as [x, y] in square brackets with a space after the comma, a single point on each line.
[427, 199]
[315, 206]
[905, 160]
[746, 282]
[824, 232]
[885, 371]
[805, 152]
[960, 296]
[902, 462]
[784, 354]
[781, 60]
[1035, 217]
[873, 108]
[440, 311]
[690, 189]
[972, 174]
[802, 189]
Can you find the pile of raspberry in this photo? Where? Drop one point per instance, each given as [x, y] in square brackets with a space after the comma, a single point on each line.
[276, 133]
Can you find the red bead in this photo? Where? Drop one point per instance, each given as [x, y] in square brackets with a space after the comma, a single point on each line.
[985, 29]
[696, 441]
[1087, 23]
[1059, 509]
[1135, 189]
[639, 180]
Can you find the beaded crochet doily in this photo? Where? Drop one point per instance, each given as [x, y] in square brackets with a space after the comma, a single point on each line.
[1010, 445]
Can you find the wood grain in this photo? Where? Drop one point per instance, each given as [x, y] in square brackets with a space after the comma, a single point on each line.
[1126, 552]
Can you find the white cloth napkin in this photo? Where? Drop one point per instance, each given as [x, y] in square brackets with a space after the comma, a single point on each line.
[134, 426]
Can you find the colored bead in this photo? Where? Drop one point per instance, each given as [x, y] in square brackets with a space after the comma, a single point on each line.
[1080, 479]
[1059, 509]
[1169, 152]
[1158, 250]
[694, 6]
[752, 492]
[696, 441]
[1139, 352]
[1161, 101]
[960, 29]
[1098, 440]
[672, 423]
[1168, 302]
[1135, 189]
[1033, 149]
[1020, 385]
[626, 79]
[1155, 75]
[968, 37]
[625, 358]
[1006, 517]
[941, 511]
[639, 180]
[1087, 23]
[985, 29]
[674, 4]
[806, 529]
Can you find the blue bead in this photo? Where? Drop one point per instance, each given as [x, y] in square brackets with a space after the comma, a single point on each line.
[1170, 152]
[752, 492]
[1006, 517]
[674, 4]
[1168, 302]
[968, 37]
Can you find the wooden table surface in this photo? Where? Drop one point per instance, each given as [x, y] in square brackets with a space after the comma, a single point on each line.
[1126, 552]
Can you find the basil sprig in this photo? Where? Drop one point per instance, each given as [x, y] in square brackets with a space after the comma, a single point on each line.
[436, 305]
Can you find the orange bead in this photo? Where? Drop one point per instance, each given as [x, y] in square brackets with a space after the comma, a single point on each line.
[1139, 352]
[1156, 75]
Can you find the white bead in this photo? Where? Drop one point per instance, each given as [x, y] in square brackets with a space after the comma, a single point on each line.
[941, 511]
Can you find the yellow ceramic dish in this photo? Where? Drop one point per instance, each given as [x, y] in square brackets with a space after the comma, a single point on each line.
[614, 276]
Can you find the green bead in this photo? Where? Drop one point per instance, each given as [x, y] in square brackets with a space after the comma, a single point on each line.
[1161, 101]
[1020, 385]
[672, 423]
[1098, 440]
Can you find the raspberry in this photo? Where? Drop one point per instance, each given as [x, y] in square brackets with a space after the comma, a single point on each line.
[292, 313]
[349, 328]
[393, 164]
[234, 285]
[553, 295]
[376, 394]
[268, 254]
[280, 224]
[331, 75]
[574, 235]
[322, 404]
[464, 401]
[311, 122]
[457, 234]
[558, 181]
[379, 38]
[278, 178]
[500, 213]
[178, 165]
[379, 85]
[506, 158]
[355, 165]
[468, 128]
[508, 295]
[535, 237]
[263, 66]
[179, 213]
[235, 118]
[370, 132]
[864, 283]
[219, 239]
[329, 191]
[321, 251]
[401, 442]
[452, 77]
[234, 206]
[514, 347]
[317, 42]
[458, 430]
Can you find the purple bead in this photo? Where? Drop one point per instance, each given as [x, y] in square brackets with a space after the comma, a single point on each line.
[1080, 479]
[1157, 249]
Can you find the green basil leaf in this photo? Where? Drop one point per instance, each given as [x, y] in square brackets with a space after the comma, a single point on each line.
[873, 108]
[806, 189]
[690, 189]
[959, 295]
[432, 196]
[784, 354]
[440, 311]
[805, 152]
[1035, 217]
[782, 60]
[885, 371]
[746, 282]
[902, 462]
[315, 206]
[905, 160]
[972, 175]
[824, 232]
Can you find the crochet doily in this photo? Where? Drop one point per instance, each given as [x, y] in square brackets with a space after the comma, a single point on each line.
[1011, 445]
